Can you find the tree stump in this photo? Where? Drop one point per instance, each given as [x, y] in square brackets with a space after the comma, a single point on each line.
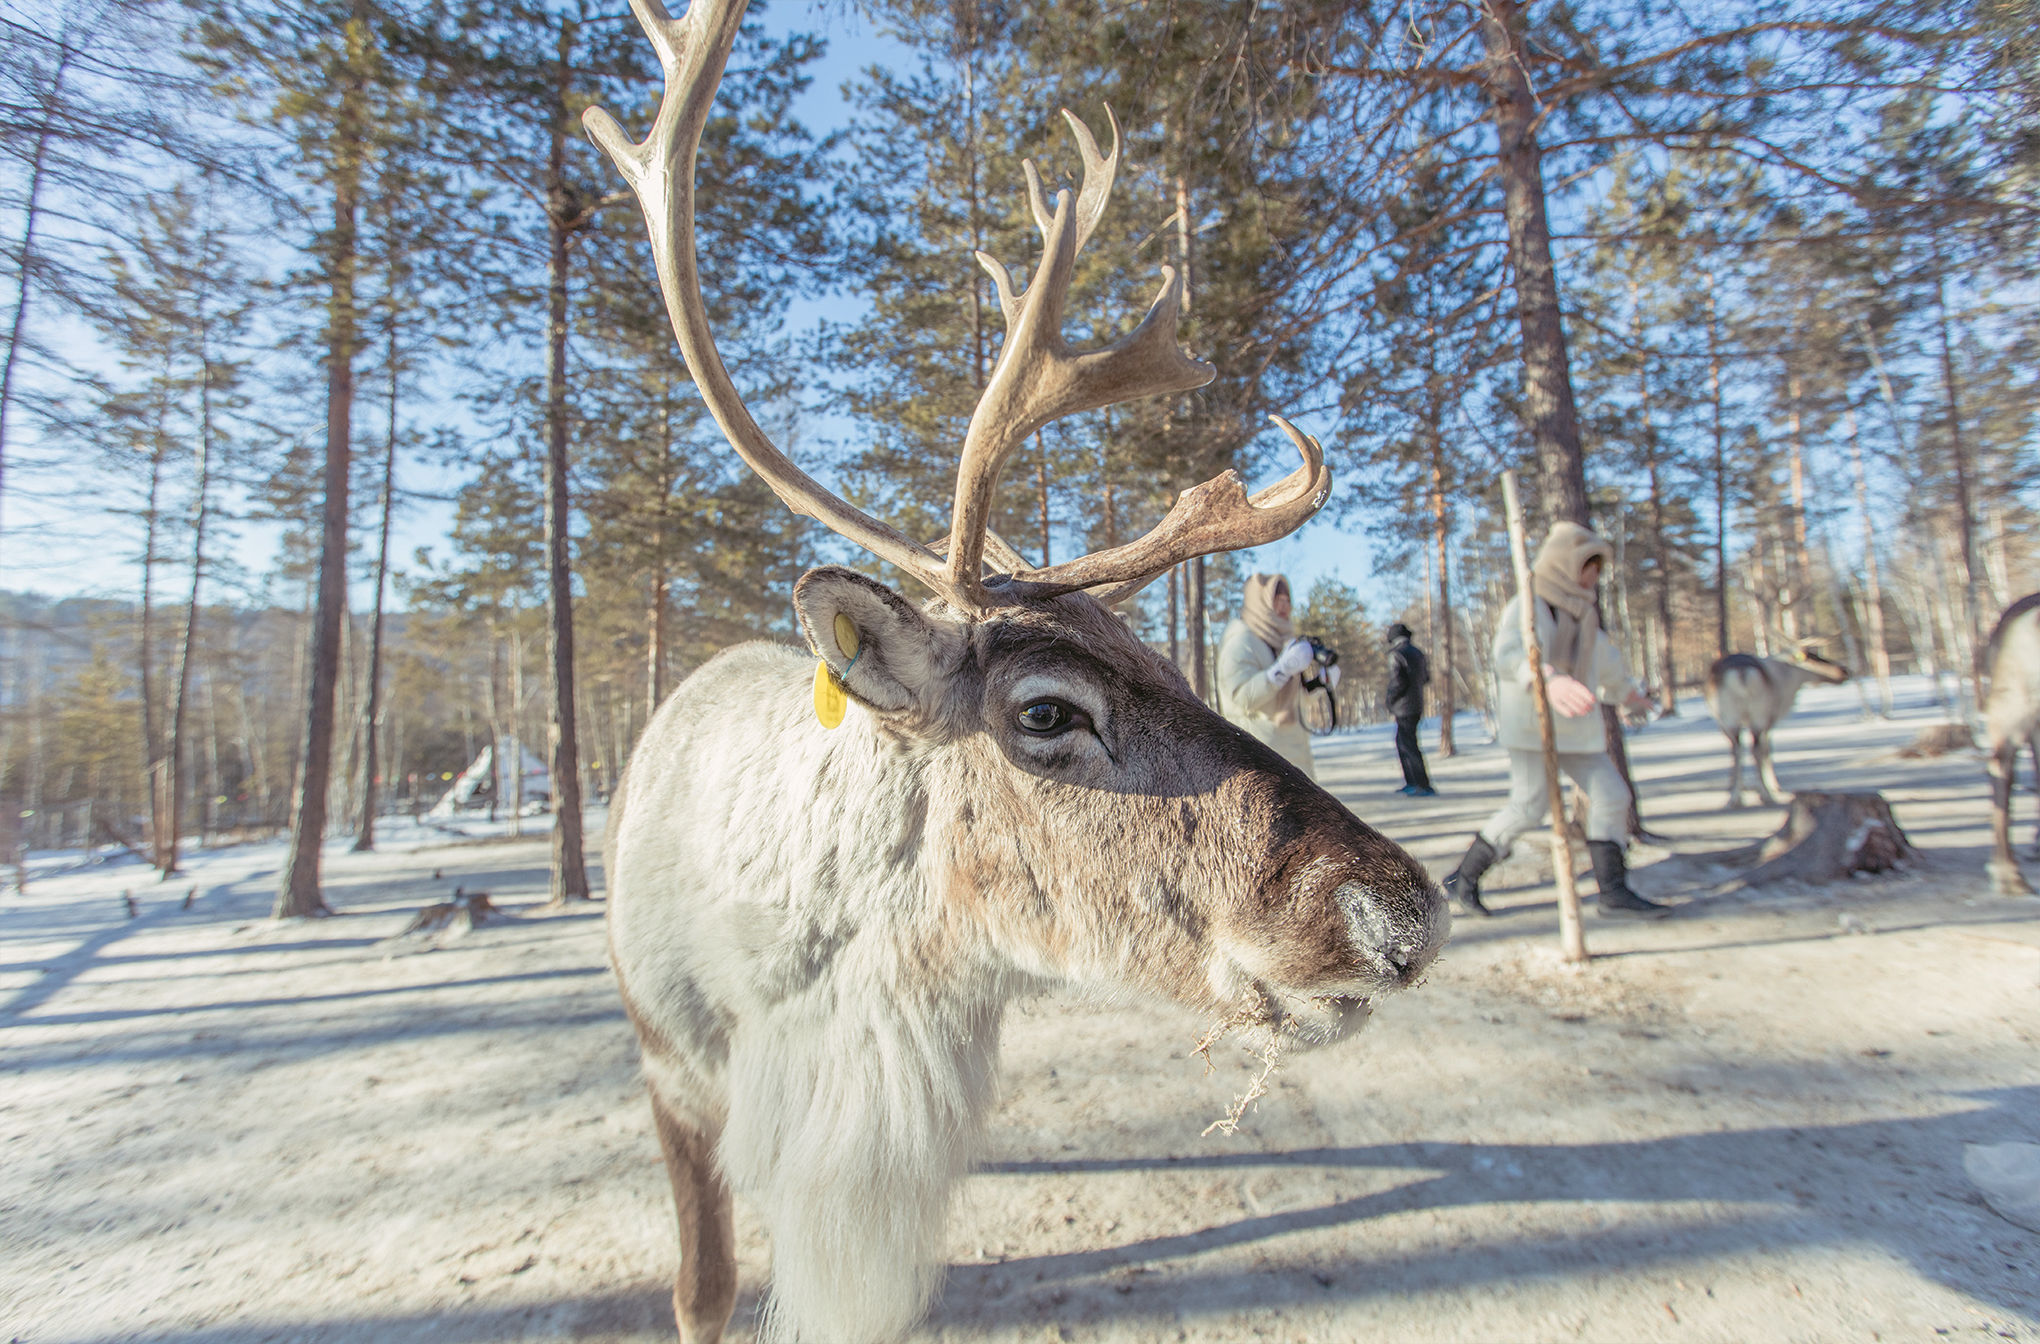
[466, 912]
[1826, 837]
[1939, 739]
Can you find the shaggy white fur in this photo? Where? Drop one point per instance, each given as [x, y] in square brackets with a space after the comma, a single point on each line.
[817, 932]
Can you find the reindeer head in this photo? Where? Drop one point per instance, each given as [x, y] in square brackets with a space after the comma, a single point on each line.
[1088, 817]
[1813, 664]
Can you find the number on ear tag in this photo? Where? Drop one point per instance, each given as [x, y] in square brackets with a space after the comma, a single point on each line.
[830, 701]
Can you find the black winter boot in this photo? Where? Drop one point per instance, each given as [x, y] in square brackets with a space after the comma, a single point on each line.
[1464, 884]
[1611, 871]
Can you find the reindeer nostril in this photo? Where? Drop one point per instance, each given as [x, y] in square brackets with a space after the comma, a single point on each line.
[1400, 929]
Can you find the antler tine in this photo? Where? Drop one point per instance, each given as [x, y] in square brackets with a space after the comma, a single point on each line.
[1038, 377]
[1215, 516]
[1099, 172]
[692, 52]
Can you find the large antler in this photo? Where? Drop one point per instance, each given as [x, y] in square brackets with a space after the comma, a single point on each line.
[692, 52]
[1215, 516]
[1038, 377]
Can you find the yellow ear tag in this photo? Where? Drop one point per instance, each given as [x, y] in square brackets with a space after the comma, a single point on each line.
[830, 702]
[829, 699]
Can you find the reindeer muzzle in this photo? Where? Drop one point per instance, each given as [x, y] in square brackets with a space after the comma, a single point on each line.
[1396, 935]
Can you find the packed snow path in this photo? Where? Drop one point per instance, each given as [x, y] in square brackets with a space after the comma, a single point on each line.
[1746, 1123]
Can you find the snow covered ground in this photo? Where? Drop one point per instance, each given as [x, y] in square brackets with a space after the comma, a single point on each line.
[1742, 1124]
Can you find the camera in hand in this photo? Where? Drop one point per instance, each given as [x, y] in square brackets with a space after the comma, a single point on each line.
[1322, 656]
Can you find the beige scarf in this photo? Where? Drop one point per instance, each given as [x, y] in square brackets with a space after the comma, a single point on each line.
[1556, 579]
[1257, 611]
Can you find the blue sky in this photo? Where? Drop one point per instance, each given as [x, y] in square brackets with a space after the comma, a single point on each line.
[1318, 549]
[64, 540]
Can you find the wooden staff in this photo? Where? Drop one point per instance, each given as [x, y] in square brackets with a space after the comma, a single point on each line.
[1572, 934]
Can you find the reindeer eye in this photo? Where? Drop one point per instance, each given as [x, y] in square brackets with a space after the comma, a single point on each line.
[1046, 716]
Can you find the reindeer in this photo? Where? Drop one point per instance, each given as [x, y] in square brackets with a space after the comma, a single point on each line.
[816, 932]
[1749, 694]
[2011, 719]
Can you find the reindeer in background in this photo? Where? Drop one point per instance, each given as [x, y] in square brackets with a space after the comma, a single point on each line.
[2011, 719]
[816, 932]
[1748, 694]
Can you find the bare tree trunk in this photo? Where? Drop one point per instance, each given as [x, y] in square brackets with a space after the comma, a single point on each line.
[1668, 673]
[299, 895]
[1801, 569]
[347, 711]
[1441, 526]
[166, 848]
[1997, 566]
[1041, 492]
[38, 165]
[1548, 405]
[1720, 475]
[569, 869]
[1943, 613]
[35, 787]
[1175, 601]
[1193, 631]
[500, 726]
[145, 636]
[365, 841]
[1790, 594]
[1759, 580]
[655, 643]
[1873, 587]
[1111, 490]
[210, 824]
[979, 343]
[1965, 513]
[517, 738]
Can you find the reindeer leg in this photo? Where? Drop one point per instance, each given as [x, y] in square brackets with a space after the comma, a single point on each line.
[705, 1290]
[2004, 868]
[1734, 769]
[1768, 787]
[2032, 746]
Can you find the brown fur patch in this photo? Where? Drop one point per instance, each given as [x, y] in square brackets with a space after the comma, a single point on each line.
[705, 1287]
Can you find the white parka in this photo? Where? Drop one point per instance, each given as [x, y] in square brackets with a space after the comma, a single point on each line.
[1246, 696]
[1517, 713]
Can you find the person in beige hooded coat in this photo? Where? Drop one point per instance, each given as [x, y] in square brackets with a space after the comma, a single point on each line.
[1261, 666]
[1583, 670]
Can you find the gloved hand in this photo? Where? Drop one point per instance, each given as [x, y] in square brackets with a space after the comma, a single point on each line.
[1569, 695]
[1332, 676]
[1294, 658]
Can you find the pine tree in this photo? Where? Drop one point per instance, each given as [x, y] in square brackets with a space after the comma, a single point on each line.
[1413, 396]
[176, 308]
[320, 75]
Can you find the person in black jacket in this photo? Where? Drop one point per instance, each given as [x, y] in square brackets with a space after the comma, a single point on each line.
[1408, 673]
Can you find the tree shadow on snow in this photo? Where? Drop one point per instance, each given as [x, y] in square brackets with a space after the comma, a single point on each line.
[637, 1315]
[1897, 1184]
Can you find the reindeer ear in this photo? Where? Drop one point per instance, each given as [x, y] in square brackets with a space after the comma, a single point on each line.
[888, 656]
